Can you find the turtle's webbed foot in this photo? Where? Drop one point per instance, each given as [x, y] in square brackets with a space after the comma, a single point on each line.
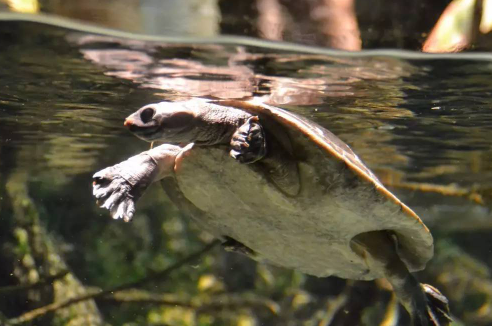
[113, 193]
[248, 142]
[437, 306]
[117, 187]
[436, 310]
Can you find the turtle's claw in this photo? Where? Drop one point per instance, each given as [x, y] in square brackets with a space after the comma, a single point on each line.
[102, 183]
[436, 312]
[100, 192]
[129, 210]
[437, 306]
[116, 197]
[123, 210]
[248, 143]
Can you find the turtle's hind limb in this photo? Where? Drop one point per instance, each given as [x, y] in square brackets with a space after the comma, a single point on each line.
[425, 304]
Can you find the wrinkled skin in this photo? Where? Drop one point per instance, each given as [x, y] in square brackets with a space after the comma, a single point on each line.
[202, 125]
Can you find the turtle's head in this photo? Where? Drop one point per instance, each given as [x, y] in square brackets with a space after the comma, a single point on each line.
[165, 121]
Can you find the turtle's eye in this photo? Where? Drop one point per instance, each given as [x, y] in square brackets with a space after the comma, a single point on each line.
[147, 114]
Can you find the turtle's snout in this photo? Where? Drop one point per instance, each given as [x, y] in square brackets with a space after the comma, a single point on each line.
[128, 122]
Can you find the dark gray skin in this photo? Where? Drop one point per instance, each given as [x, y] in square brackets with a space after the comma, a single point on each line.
[206, 124]
[202, 125]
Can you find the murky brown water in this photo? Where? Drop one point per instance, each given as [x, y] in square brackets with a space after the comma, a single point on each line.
[424, 125]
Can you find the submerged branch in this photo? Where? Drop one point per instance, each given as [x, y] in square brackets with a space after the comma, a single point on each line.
[23, 287]
[201, 304]
[36, 313]
[453, 190]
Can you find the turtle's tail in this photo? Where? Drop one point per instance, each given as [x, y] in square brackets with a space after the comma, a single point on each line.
[437, 306]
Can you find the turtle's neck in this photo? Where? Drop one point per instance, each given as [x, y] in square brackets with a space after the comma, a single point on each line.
[216, 124]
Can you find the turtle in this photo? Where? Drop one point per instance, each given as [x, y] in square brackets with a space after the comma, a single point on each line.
[279, 188]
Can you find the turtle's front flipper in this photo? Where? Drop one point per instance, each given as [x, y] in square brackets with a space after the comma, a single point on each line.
[118, 187]
[248, 143]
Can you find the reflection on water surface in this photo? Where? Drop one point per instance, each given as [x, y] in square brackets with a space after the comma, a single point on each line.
[424, 126]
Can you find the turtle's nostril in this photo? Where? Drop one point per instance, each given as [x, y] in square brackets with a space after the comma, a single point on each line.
[128, 122]
[147, 114]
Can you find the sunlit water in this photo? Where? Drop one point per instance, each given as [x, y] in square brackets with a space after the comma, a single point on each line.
[423, 125]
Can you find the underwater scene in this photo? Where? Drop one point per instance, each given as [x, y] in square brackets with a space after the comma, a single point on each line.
[421, 123]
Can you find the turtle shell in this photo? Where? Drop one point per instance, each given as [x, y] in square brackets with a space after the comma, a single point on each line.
[339, 198]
